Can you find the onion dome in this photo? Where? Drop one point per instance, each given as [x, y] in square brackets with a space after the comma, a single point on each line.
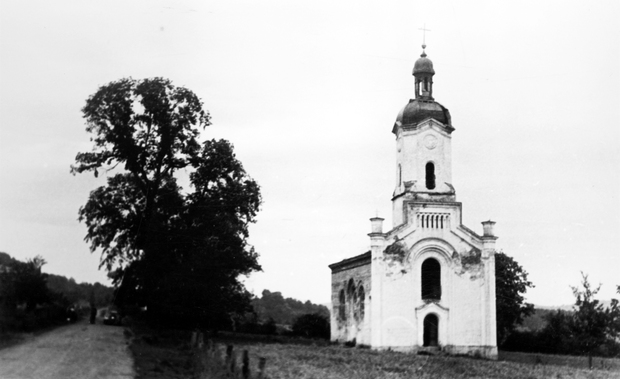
[423, 65]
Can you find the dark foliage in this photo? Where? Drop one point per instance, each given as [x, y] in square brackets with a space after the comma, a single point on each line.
[26, 302]
[593, 325]
[554, 338]
[510, 285]
[81, 293]
[249, 324]
[23, 283]
[312, 326]
[590, 329]
[177, 253]
[536, 321]
[272, 305]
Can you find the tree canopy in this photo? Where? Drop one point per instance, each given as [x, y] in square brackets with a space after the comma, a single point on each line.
[178, 252]
[510, 285]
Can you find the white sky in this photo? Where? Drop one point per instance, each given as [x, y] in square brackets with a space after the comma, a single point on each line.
[308, 92]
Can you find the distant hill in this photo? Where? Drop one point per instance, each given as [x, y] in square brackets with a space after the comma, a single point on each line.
[284, 310]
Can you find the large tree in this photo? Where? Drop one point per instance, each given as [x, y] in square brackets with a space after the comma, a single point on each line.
[179, 252]
[510, 285]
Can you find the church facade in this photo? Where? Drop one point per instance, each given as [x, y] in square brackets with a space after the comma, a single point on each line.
[429, 282]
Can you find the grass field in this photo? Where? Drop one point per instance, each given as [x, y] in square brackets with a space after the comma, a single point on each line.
[610, 364]
[324, 361]
[167, 355]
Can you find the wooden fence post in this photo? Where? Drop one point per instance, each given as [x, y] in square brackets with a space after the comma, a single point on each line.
[245, 368]
[200, 340]
[229, 351]
[261, 366]
[233, 363]
[210, 349]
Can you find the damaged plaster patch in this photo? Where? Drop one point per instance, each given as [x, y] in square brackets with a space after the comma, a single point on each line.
[469, 263]
[394, 257]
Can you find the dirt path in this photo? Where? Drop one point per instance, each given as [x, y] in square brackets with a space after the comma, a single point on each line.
[79, 350]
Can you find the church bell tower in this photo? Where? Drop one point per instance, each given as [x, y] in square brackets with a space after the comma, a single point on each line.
[423, 131]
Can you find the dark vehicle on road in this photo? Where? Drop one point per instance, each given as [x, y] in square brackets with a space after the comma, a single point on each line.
[112, 318]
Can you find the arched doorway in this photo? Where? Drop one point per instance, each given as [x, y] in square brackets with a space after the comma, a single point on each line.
[431, 330]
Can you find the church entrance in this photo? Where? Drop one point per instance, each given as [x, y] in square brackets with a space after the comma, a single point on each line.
[431, 330]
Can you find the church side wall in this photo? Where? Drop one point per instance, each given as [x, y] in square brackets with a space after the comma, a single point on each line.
[351, 320]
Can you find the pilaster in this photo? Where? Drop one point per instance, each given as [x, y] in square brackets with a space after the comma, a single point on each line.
[377, 245]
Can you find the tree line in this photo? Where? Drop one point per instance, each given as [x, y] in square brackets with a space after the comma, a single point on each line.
[273, 314]
[272, 305]
[31, 299]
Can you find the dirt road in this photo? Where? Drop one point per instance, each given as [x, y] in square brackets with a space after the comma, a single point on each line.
[79, 350]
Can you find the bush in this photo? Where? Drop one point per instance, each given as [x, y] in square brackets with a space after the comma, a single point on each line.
[311, 326]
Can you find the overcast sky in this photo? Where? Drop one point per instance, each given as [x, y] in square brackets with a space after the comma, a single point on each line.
[308, 92]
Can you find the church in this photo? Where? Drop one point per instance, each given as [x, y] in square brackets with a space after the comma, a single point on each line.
[428, 284]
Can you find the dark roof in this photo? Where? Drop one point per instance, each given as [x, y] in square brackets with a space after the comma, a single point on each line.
[423, 66]
[418, 110]
[356, 261]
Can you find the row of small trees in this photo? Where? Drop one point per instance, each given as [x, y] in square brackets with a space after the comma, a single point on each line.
[591, 328]
[23, 283]
[26, 303]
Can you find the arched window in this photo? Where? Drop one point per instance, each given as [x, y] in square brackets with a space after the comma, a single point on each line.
[341, 306]
[431, 330]
[431, 280]
[430, 176]
[362, 298]
[351, 298]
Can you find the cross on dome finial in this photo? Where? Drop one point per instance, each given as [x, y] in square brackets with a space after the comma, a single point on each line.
[424, 30]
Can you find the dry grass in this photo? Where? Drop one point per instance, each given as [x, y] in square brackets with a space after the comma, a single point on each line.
[167, 355]
[321, 361]
[160, 354]
[611, 364]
